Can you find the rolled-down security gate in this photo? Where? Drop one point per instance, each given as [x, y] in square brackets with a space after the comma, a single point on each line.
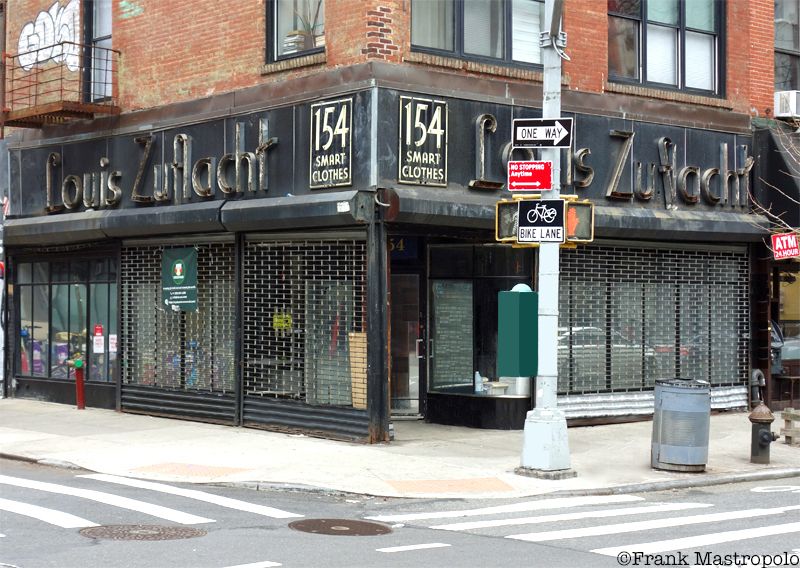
[304, 335]
[179, 363]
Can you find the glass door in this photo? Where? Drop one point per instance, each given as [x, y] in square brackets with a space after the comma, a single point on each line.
[407, 344]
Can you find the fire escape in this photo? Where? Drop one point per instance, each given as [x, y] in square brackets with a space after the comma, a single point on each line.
[59, 83]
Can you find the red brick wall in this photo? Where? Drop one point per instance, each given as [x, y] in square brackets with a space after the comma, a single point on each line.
[751, 36]
[586, 22]
[175, 51]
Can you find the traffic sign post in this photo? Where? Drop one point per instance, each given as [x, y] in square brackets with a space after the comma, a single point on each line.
[541, 132]
[530, 176]
[541, 221]
[545, 446]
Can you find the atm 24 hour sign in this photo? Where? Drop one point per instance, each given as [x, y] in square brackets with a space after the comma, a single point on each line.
[785, 246]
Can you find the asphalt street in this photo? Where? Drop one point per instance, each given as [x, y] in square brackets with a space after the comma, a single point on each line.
[55, 517]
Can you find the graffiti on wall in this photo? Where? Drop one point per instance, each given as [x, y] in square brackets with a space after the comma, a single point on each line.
[52, 36]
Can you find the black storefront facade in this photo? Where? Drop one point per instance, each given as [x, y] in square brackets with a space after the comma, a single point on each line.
[347, 269]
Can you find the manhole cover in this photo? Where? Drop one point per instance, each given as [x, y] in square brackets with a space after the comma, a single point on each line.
[346, 527]
[141, 532]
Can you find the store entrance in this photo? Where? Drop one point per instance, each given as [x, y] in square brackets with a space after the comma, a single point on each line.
[407, 341]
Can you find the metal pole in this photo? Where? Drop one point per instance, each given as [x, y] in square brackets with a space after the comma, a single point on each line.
[545, 451]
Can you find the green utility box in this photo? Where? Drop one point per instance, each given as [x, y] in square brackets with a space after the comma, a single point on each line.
[517, 333]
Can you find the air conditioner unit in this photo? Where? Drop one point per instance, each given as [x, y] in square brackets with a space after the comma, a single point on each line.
[787, 104]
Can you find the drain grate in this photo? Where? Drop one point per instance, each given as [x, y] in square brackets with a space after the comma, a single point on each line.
[346, 527]
[141, 532]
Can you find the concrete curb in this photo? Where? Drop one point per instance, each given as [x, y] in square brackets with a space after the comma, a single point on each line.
[45, 461]
[695, 480]
[717, 479]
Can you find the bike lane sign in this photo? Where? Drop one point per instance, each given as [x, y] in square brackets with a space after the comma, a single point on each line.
[541, 221]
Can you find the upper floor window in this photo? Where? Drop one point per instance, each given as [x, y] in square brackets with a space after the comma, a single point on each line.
[506, 30]
[787, 45]
[666, 43]
[97, 27]
[298, 27]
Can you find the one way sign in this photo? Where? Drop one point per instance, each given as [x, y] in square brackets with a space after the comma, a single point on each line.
[542, 133]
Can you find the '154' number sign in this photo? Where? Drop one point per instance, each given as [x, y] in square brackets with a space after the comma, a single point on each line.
[423, 142]
[331, 144]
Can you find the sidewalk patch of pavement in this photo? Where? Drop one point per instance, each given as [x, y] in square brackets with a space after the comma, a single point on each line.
[473, 485]
[189, 470]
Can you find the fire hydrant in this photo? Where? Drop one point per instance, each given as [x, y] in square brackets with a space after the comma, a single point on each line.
[77, 363]
[761, 436]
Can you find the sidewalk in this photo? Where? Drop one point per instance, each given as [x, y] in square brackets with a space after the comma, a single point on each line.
[425, 460]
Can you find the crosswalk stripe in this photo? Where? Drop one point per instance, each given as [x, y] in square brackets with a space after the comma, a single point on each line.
[702, 540]
[410, 547]
[556, 503]
[264, 564]
[194, 494]
[656, 508]
[51, 516]
[650, 525]
[108, 499]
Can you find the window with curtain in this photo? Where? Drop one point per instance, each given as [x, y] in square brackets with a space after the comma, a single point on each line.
[298, 27]
[787, 45]
[499, 30]
[666, 43]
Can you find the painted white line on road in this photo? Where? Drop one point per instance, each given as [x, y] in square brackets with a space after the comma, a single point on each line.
[656, 508]
[108, 499]
[51, 516]
[651, 525]
[413, 547]
[264, 564]
[700, 541]
[194, 494]
[557, 503]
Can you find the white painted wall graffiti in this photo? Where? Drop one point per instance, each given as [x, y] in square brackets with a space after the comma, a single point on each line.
[41, 40]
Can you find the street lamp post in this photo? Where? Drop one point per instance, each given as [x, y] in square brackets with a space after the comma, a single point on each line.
[545, 451]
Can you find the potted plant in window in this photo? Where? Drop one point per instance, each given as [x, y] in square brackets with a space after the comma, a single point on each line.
[308, 34]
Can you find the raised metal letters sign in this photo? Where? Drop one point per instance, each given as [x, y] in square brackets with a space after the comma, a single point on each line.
[423, 142]
[331, 144]
[541, 133]
[541, 221]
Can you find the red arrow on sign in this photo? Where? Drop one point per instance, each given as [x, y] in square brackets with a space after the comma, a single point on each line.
[530, 175]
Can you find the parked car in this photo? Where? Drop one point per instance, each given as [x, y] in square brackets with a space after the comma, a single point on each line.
[790, 357]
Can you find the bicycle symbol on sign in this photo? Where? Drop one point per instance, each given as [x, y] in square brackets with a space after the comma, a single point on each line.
[542, 212]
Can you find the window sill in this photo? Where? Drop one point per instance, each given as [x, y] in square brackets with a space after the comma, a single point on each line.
[675, 96]
[294, 63]
[500, 68]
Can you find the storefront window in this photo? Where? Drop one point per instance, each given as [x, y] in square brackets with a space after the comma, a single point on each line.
[465, 281]
[628, 317]
[60, 304]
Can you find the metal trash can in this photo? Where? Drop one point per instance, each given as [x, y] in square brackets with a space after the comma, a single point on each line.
[681, 422]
